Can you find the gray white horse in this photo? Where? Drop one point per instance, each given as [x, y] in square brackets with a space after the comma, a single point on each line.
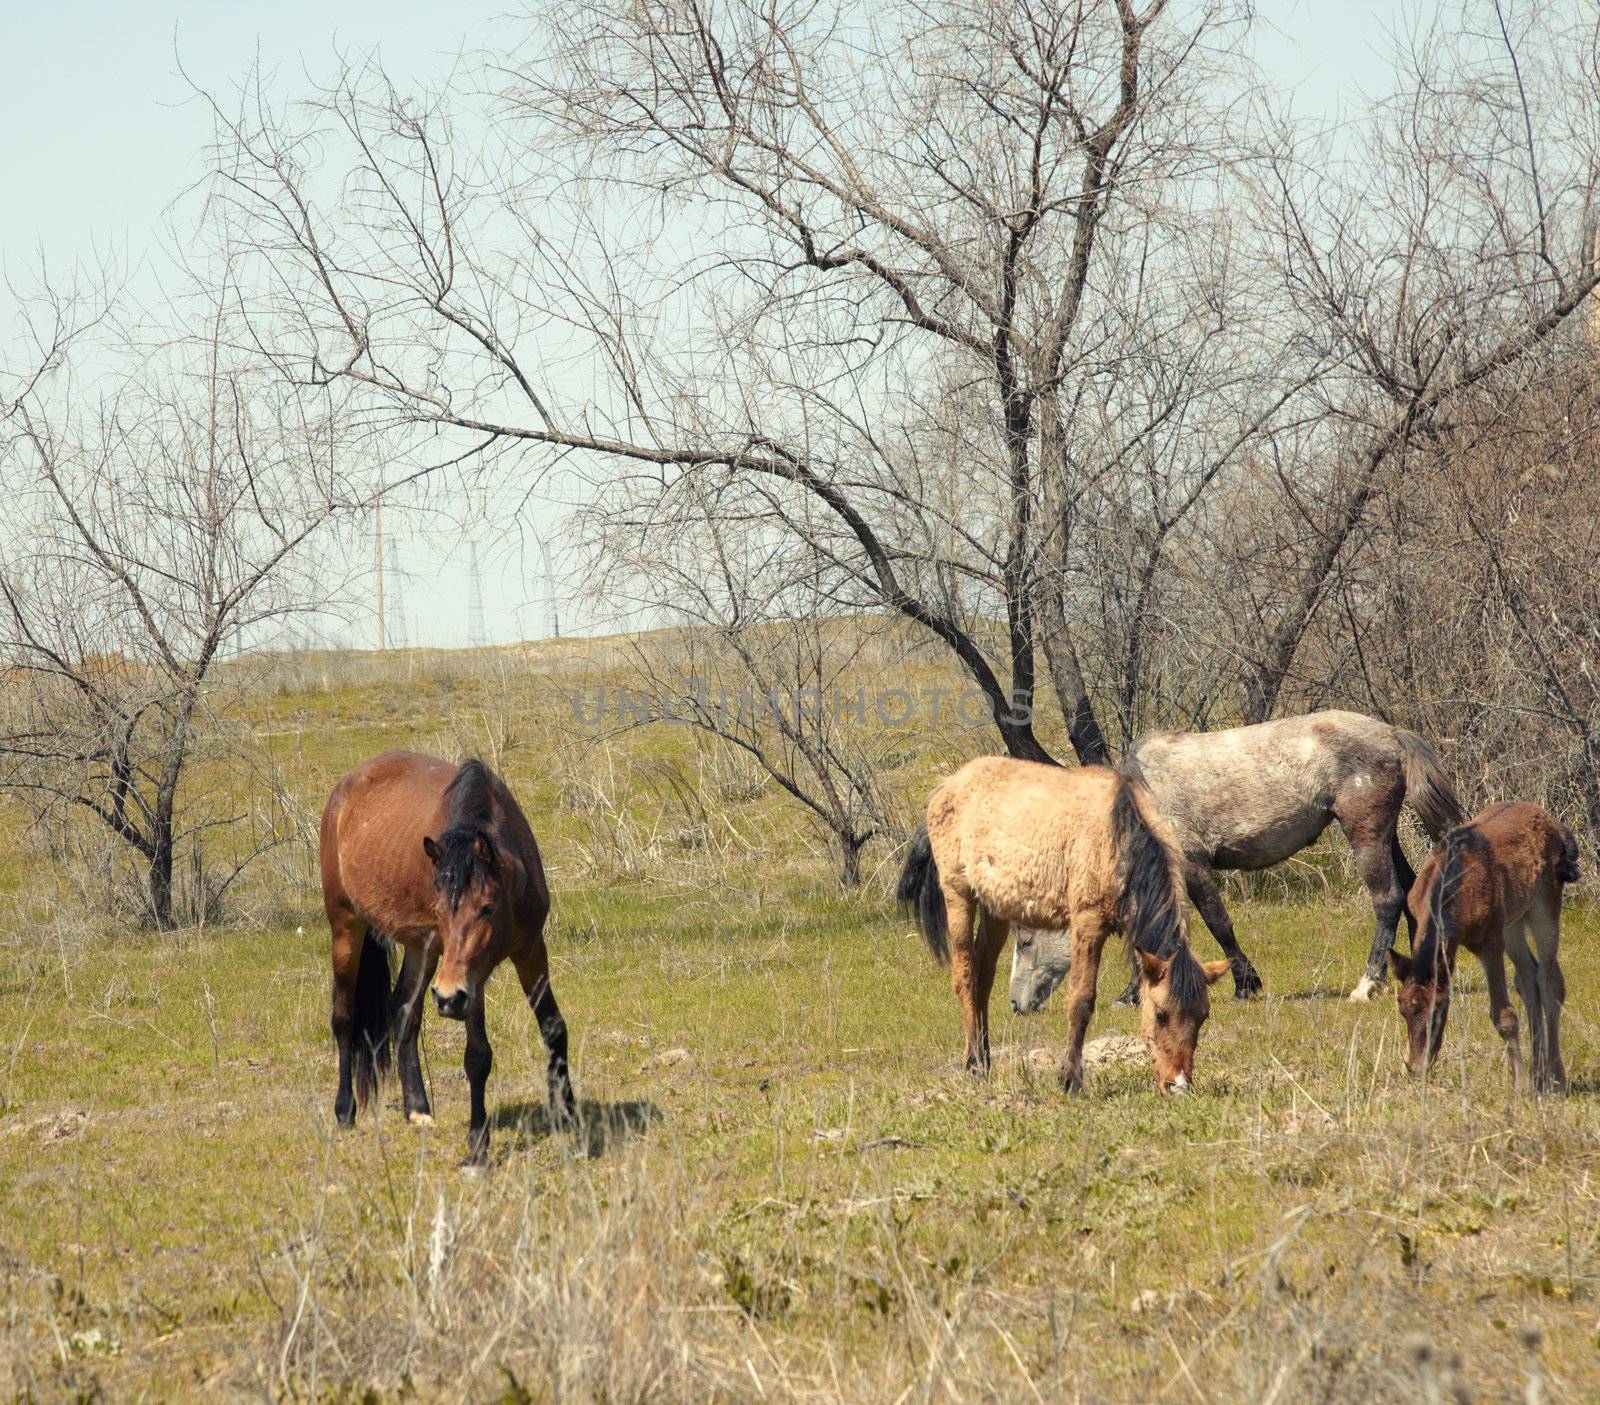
[1251, 797]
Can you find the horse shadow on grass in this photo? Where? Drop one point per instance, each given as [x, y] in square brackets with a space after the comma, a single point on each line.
[521, 1124]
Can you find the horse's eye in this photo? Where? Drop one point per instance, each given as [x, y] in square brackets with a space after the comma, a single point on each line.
[1162, 1017]
[1023, 943]
[488, 910]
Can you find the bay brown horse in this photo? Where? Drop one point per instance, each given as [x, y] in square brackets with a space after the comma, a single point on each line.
[438, 859]
[1012, 841]
[1494, 887]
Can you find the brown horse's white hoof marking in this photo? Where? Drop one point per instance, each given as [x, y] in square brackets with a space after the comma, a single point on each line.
[1365, 989]
[419, 1119]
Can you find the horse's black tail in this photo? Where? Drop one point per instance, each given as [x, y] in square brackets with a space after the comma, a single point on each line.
[1152, 903]
[1428, 788]
[371, 1038]
[1567, 864]
[918, 891]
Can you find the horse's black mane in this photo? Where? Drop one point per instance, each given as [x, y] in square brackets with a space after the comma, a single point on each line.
[1151, 915]
[459, 866]
[1433, 943]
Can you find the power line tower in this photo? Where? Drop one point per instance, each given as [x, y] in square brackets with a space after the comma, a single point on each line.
[377, 556]
[554, 626]
[398, 632]
[475, 630]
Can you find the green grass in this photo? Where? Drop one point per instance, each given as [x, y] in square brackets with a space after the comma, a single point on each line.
[787, 1188]
[828, 1198]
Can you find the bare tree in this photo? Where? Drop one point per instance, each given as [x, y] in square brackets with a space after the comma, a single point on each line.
[754, 664]
[967, 220]
[1430, 265]
[157, 518]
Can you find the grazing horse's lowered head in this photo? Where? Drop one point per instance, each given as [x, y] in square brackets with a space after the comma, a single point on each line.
[1013, 842]
[1174, 999]
[474, 885]
[1423, 978]
[1040, 961]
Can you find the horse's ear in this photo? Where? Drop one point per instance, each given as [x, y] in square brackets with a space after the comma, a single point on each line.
[485, 851]
[1400, 965]
[1216, 970]
[430, 849]
[1153, 968]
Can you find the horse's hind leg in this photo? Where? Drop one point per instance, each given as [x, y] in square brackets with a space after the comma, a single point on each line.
[1543, 927]
[477, 1061]
[1370, 828]
[533, 970]
[405, 1015]
[349, 936]
[960, 911]
[990, 942]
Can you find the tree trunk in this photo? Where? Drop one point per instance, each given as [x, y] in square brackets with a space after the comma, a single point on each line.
[850, 847]
[160, 878]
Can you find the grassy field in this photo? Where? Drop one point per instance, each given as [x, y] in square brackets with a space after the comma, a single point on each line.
[786, 1188]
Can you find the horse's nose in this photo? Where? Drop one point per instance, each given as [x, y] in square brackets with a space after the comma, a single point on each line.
[452, 1006]
[1180, 1084]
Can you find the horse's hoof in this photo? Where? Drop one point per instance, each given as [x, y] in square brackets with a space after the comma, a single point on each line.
[1126, 999]
[475, 1165]
[1365, 989]
[420, 1119]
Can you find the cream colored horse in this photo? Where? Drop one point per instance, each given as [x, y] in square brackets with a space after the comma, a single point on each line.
[1015, 842]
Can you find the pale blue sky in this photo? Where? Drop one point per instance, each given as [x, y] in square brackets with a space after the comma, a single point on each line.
[102, 133]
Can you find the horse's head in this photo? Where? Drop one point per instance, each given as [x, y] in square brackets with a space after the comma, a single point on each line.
[1174, 1002]
[1423, 993]
[1039, 963]
[474, 913]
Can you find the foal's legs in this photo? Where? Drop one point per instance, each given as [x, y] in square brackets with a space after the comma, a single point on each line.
[477, 1061]
[1543, 924]
[1370, 828]
[405, 1017]
[1089, 931]
[1526, 969]
[533, 970]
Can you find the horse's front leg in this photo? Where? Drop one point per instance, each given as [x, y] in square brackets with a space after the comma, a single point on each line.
[533, 970]
[1201, 883]
[405, 1017]
[1088, 939]
[349, 934]
[1503, 1015]
[477, 1061]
